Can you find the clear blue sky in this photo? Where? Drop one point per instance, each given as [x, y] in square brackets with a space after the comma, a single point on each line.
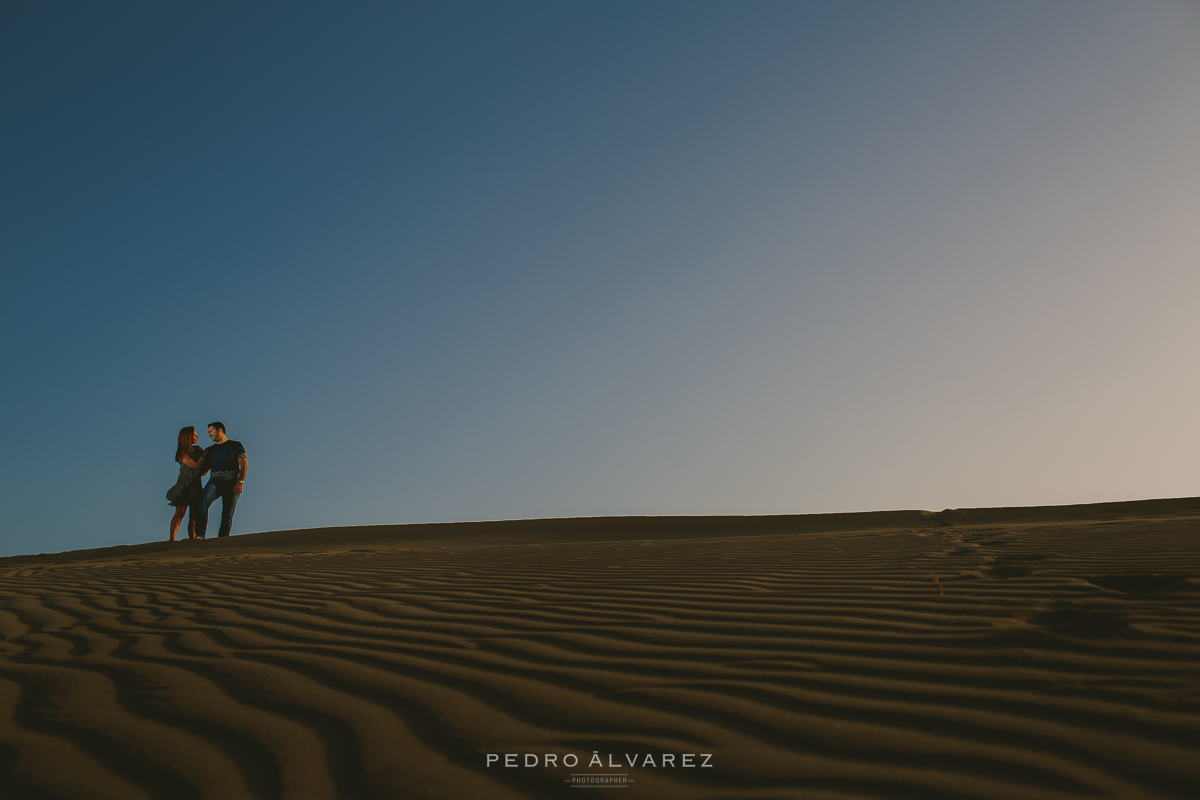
[436, 262]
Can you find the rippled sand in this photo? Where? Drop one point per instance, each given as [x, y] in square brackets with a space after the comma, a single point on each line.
[990, 653]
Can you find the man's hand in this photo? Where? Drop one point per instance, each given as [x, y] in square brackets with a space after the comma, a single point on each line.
[237, 488]
[243, 469]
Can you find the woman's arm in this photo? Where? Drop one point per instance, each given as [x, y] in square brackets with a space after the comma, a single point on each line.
[194, 464]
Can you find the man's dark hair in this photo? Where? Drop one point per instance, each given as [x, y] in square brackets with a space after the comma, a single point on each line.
[219, 426]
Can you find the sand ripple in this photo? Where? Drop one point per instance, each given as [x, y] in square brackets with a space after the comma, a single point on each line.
[1030, 660]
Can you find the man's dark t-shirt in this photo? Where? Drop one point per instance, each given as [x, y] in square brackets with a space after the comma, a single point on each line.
[223, 459]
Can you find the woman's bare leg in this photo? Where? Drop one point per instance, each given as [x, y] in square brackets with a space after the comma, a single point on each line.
[175, 520]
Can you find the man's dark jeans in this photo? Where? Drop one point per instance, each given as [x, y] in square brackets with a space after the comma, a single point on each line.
[229, 499]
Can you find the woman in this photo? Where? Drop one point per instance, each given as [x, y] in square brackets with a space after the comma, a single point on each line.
[186, 490]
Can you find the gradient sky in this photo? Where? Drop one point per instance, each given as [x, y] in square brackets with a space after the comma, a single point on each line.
[436, 262]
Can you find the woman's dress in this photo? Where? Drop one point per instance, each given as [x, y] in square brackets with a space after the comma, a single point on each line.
[187, 488]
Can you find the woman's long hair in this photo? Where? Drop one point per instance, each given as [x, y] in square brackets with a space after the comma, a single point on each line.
[185, 441]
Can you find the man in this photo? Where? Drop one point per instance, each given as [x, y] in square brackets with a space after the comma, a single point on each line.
[227, 460]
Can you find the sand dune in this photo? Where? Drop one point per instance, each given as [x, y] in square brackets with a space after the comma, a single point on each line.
[985, 653]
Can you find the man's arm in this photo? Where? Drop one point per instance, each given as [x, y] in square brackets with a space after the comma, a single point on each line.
[243, 468]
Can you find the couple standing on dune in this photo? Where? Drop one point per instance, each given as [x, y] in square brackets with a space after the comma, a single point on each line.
[226, 459]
